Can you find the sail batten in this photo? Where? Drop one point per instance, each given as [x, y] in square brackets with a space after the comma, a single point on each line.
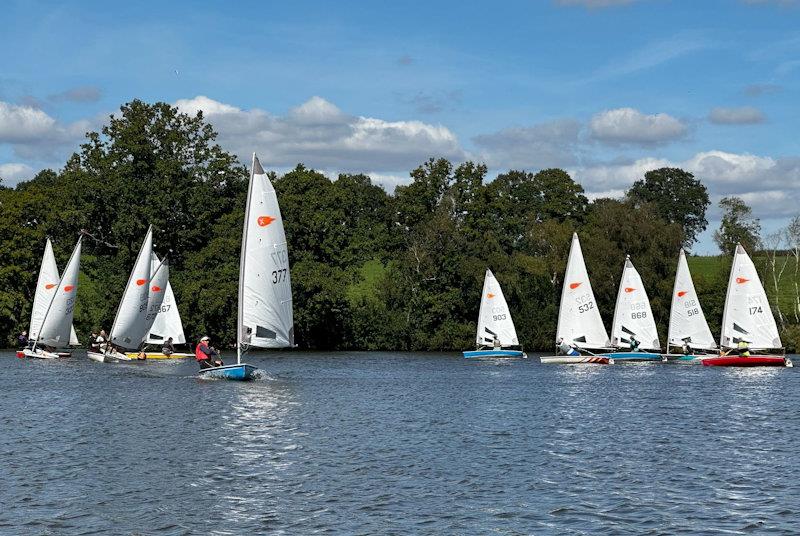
[632, 314]
[494, 318]
[579, 320]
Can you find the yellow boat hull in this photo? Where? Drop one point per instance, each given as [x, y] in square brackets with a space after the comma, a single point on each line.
[159, 355]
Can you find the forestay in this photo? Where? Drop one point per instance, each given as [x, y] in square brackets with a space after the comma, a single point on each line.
[632, 315]
[130, 324]
[494, 318]
[265, 289]
[57, 328]
[579, 320]
[159, 277]
[747, 315]
[687, 323]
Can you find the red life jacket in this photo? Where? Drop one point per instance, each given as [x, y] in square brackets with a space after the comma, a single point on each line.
[199, 354]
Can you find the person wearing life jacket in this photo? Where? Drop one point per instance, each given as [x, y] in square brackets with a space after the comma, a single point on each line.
[206, 355]
[634, 344]
[744, 348]
[565, 348]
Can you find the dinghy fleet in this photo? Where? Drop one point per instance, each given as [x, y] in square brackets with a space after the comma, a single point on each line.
[749, 334]
[148, 314]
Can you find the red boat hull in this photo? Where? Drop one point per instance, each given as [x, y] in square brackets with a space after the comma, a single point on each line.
[752, 361]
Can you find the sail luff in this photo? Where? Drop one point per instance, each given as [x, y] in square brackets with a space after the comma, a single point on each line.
[243, 262]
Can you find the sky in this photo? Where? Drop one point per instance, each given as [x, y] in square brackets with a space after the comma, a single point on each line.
[606, 89]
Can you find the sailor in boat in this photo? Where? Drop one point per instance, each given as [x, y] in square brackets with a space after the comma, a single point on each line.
[94, 346]
[168, 348]
[22, 340]
[634, 344]
[495, 342]
[687, 350]
[744, 348]
[565, 348]
[141, 356]
[206, 355]
[102, 341]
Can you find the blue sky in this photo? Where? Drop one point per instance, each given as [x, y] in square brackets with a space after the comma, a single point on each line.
[603, 88]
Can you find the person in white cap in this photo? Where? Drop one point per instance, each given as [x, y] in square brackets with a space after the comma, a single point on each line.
[206, 355]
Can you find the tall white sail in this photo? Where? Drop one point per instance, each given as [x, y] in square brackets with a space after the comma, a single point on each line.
[159, 277]
[747, 315]
[687, 323]
[632, 315]
[494, 318]
[73, 337]
[130, 324]
[56, 329]
[265, 318]
[46, 287]
[168, 322]
[579, 320]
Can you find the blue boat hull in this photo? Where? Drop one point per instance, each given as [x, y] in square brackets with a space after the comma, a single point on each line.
[493, 353]
[633, 356]
[241, 372]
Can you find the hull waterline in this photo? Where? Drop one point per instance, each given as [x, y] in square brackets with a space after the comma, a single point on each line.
[240, 372]
[472, 354]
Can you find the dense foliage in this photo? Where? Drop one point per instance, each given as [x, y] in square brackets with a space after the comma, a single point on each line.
[370, 270]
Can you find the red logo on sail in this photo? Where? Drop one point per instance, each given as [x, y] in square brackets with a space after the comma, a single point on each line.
[155, 288]
[69, 288]
[573, 286]
[141, 282]
[263, 221]
[682, 293]
[741, 280]
[490, 295]
[48, 286]
[629, 289]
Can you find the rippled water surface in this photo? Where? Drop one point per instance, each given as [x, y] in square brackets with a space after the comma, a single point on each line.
[382, 443]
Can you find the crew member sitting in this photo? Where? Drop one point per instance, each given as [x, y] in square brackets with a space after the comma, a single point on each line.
[22, 340]
[634, 344]
[566, 348]
[207, 356]
[168, 348]
[744, 348]
[496, 343]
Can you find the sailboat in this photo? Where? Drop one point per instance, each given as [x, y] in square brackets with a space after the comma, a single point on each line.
[633, 320]
[163, 319]
[688, 328]
[53, 306]
[579, 321]
[130, 322]
[496, 335]
[747, 317]
[265, 315]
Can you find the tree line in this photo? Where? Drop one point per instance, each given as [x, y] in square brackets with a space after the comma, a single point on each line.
[370, 270]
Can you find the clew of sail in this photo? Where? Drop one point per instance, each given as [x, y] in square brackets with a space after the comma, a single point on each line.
[265, 318]
[632, 314]
[579, 320]
[130, 324]
[687, 323]
[494, 318]
[747, 315]
[56, 328]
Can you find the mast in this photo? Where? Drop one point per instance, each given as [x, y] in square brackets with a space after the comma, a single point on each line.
[242, 257]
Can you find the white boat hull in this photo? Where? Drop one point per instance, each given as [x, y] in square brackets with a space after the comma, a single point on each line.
[39, 354]
[573, 360]
[111, 357]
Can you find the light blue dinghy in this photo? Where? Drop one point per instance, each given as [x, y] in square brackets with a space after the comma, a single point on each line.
[496, 336]
[633, 331]
[265, 314]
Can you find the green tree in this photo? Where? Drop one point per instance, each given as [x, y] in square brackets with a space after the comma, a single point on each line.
[738, 226]
[677, 197]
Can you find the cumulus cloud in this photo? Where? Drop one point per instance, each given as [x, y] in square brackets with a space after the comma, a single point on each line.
[319, 134]
[77, 94]
[12, 173]
[33, 134]
[627, 125]
[745, 115]
[552, 144]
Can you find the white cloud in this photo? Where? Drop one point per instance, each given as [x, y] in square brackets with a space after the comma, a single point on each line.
[12, 173]
[552, 144]
[78, 94]
[746, 115]
[320, 135]
[19, 124]
[627, 125]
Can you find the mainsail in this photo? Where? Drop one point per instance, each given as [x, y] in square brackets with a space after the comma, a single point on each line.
[687, 323]
[265, 317]
[167, 322]
[159, 276]
[747, 315]
[632, 315]
[494, 318]
[46, 287]
[130, 324]
[579, 320]
[56, 328]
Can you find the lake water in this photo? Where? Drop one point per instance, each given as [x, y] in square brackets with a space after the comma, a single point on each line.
[383, 443]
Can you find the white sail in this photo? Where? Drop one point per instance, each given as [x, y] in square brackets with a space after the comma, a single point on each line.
[579, 320]
[73, 337]
[494, 318]
[687, 323]
[265, 316]
[632, 315]
[56, 329]
[159, 277]
[130, 323]
[45, 290]
[168, 322]
[747, 315]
